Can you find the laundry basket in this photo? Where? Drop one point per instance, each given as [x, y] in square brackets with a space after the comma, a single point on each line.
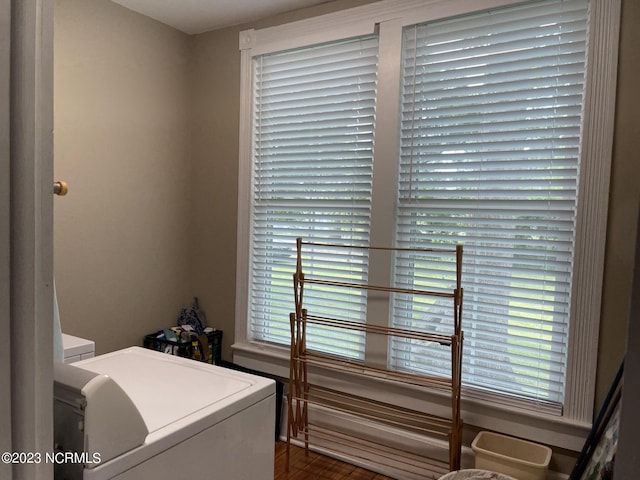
[511, 456]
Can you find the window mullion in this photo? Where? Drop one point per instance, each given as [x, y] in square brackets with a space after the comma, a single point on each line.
[384, 180]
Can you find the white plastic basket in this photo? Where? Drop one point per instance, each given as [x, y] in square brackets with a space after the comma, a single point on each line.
[511, 456]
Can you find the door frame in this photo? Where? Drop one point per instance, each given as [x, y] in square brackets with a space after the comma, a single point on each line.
[28, 179]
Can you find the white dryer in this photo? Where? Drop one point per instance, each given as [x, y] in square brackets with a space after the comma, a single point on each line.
[141, 414]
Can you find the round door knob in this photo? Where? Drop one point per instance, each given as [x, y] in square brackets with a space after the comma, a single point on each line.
[60, 188]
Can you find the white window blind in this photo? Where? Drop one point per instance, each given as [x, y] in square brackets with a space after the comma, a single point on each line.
[313, 111]
[489, 157]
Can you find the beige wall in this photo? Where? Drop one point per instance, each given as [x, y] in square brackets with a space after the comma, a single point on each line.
[122, 143]
[214, 177]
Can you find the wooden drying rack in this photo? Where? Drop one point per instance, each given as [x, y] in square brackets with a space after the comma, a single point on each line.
[302, 393]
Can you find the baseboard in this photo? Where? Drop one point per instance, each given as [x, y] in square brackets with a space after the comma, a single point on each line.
[397, 442]
[421, 447]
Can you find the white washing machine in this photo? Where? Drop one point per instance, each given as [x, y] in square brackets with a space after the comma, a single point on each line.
[141, 414]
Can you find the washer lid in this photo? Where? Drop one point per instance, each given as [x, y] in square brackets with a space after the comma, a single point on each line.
[166, 389]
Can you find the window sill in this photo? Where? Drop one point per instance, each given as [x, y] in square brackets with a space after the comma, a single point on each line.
[555, 431]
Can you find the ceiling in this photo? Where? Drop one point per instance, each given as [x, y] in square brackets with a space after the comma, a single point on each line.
[198, 16]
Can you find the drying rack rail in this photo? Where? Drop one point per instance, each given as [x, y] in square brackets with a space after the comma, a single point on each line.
[303, 394]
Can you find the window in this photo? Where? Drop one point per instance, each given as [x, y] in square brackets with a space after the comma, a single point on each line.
[312, 171]
[448, 126]
[491, 118]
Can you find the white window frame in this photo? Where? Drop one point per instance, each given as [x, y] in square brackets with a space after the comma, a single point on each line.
[388, 17]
